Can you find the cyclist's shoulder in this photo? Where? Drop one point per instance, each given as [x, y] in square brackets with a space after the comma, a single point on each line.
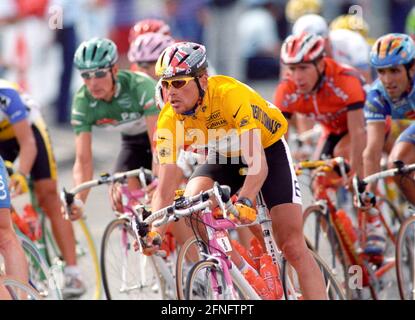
[340, 72]
[220, 85]
[8, 85]
[9, 91]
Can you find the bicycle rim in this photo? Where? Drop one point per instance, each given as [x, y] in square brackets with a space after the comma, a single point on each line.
[405, 260]
[184, 263]
[44, 279]
[127, 274]
[199, 283]
[86, 256]
[291, 286]
[19, 290]
[323, 239]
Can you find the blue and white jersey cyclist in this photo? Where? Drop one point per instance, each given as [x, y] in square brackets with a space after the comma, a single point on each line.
[384, 99]
[391, 96]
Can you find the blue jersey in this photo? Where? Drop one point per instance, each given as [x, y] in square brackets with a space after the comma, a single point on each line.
[379, 105]
[14, 107]
[4, 189]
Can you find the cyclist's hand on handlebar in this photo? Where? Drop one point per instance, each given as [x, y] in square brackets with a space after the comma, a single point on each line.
[247, 214]
[367, 199]
[151, 243]
[18, 184]
[76, 210]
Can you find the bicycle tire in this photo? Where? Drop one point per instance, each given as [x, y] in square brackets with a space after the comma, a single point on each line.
[181, 264]
[86, 254]
[325, 242]
[16, 288]
[138, 287]
[405, 259]
[192, 282]
[44, 279]
[333, 288]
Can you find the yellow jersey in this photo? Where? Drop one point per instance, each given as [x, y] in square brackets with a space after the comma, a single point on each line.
[228, 109]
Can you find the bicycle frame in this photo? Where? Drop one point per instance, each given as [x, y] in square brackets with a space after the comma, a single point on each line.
[354, 254]
[219, 245]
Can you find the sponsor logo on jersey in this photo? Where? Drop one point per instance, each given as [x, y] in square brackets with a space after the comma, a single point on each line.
[271, 125]
[106, 121]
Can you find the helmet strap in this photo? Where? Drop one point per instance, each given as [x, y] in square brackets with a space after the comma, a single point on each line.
[199, 101]
[407, 67]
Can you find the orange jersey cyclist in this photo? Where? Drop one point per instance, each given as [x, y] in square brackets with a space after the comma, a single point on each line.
[240, 129]
[326, 91]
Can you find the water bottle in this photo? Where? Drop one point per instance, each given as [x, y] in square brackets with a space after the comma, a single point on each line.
[269, 272]
[243, 252]
[258, 284]
[31, 217]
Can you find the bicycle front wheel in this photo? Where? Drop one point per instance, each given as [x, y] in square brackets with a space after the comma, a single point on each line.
[18, 290]
[44, 279]
[405, 259]
[127, 274]
[199, 283]
[86, 257]
[323, 239]
[189, 254]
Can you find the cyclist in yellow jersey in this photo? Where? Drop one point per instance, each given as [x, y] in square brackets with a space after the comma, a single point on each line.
[239, 129]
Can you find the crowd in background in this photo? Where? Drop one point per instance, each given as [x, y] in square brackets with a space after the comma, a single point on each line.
[243, 37]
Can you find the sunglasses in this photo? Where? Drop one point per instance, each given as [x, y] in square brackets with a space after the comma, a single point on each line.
[94, 74]
[177, 83]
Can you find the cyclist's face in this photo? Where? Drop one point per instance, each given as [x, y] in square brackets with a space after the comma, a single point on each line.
[184, 98]
[101, 88]
[394, 80]
[304, 75]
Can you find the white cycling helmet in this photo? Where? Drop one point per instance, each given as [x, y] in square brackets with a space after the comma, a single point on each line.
[311, 23]
[147, 47]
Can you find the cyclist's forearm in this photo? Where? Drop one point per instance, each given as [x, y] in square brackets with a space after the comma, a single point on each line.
[27, 156]
[371, 165]
[82, 171]
[356, 151]
[160, 201]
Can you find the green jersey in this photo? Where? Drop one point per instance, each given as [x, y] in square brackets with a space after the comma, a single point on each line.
[134, 99]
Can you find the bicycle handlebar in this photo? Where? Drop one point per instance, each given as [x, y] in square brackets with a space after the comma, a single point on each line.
[185, 206]
[359, 185]
[68, 197]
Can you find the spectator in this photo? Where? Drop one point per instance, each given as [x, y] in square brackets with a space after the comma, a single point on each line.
[258, 36]
[187, 19]
[66, 39]
[124, 17]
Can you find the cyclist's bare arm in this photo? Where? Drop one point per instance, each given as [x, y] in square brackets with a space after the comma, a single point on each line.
[83, 168]
[27, 144]
[254, 155]
[373, 151]
[170, 177]
[356, 128]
